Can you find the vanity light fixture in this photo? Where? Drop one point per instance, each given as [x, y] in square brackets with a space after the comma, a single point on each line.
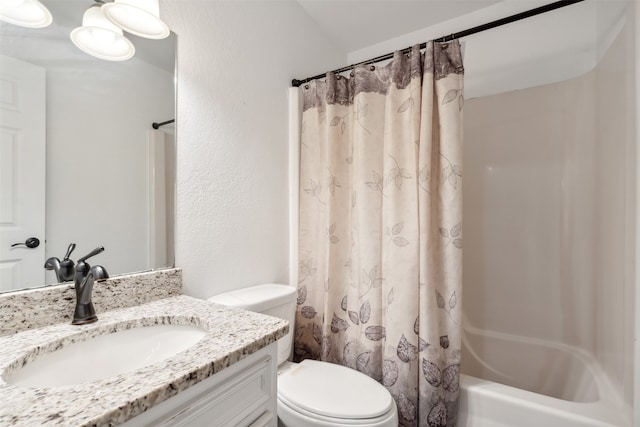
[139, 17]
[99, 37]
[25, 13]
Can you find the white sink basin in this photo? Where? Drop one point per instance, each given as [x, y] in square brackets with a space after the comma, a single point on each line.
[106, 356]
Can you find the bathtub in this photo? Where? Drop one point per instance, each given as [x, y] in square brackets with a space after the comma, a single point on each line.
[507, 381]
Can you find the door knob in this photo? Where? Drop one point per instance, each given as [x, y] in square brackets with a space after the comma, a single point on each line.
[31, 242]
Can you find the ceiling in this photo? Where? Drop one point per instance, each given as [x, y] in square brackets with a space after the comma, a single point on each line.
[356, 24]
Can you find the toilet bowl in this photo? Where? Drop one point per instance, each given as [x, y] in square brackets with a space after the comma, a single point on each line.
[313, 393]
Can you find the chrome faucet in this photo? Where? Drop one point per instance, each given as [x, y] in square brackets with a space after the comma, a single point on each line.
[85, 276]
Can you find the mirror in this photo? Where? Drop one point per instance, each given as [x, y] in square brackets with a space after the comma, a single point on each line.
[106, 177]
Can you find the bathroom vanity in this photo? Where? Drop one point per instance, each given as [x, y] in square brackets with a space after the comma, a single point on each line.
[227, 377]
[243, 394]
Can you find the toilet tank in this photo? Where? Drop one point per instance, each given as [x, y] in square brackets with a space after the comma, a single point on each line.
[272, 299]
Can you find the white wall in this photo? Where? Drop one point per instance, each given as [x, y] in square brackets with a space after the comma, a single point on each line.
[97, 167]
[235, 62]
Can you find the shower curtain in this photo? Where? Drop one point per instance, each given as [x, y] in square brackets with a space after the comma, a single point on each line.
[380, 232]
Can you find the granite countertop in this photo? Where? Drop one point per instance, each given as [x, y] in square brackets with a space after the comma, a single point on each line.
[231, 335]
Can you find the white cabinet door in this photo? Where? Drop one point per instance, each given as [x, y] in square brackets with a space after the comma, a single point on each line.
[241, 395]
[22, 172]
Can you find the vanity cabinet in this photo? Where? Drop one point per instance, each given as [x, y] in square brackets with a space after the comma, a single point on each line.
[243, 394]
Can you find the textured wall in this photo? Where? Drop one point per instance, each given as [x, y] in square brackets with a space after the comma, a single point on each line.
[235, 62]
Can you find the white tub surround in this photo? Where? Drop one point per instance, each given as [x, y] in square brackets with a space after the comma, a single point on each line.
[549, 221]
[489, 404]
[231, 336]
[35, 308]
[509, 380]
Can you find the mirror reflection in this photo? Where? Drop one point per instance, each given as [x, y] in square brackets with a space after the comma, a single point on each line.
[79, 160]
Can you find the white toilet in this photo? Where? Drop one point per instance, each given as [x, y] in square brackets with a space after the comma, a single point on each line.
[313, 393]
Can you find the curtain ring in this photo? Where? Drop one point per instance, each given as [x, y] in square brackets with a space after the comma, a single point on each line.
[446, 40]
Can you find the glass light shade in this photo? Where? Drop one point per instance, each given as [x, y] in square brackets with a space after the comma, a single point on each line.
[100, 38]
[25, 13]
[139, 17]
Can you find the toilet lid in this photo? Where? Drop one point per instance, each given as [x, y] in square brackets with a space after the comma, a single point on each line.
[333, 391]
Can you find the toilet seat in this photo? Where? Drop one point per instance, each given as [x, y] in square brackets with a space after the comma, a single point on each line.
[289, 417]
[334, 394]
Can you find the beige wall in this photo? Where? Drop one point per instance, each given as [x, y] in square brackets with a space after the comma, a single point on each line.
[548, 214]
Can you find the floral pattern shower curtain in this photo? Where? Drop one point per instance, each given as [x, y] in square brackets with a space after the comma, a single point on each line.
[380, 229]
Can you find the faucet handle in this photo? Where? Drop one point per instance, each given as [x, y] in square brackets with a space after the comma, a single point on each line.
[96, 251]
[70, 249]
[67, 265]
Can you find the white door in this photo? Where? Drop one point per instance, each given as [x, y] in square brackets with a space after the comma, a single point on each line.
[22, 173]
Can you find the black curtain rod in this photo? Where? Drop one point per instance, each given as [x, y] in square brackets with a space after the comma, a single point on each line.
[493, 24]
[157, 125]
